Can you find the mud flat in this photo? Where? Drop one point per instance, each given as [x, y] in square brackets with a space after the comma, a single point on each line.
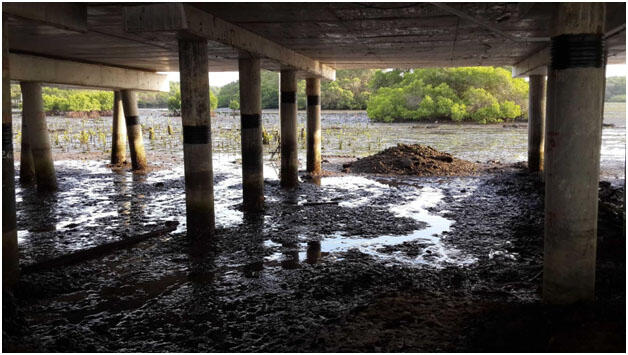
[355, 263]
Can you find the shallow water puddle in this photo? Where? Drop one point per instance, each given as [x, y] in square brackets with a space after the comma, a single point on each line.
[426, 242]
[95, 205]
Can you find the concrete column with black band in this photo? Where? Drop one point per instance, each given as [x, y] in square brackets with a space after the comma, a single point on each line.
[313, 91]
[10, 268]
[251, 132]
[33, 113]
[536, 123]
[134, 130]
[118, 142]
[27, 166]
[572, 152]
[289, 174]
[197, 143]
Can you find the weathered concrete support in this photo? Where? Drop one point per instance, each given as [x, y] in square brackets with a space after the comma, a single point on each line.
[9, 226]
[289, 174]
[134, 130]
[313, 92]
[33, 113]
[27, 167]
[536, 123]
[197, 144]
[572, 152]
[118, 143]
[251, 131]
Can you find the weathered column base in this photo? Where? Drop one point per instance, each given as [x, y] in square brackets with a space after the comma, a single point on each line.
[118, 143]
[134, 130]
[33, 109]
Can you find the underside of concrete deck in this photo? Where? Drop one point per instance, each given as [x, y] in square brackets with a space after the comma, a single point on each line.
[326, 35]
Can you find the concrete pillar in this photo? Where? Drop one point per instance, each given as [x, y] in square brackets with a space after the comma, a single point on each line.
[134, 130]
[27, 167]
[33, 113]
[572, 152]
[251, 131]
[197, 144]
[9, 227]
[313, 92]
[289, 174]
[118, 143]
[536, 123]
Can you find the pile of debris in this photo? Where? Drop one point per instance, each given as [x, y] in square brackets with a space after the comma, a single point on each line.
[412, 159]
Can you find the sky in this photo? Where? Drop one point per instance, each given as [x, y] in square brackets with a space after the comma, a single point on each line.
[221, 78]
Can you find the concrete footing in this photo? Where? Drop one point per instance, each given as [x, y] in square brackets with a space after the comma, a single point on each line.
[27, 166]
[33, 113]
[197, 144]
[118, 141]
[10, 268]
[572, 152]
[313, 92]
[536, 123]
[289, 174]
[251, 132]
[134, 130]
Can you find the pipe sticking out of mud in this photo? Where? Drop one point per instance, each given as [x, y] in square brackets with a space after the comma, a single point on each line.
[96, 252]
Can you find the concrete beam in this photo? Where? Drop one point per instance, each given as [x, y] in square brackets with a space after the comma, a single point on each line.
[47, 70]
[536, 64]
[188, 19]
[71, 17]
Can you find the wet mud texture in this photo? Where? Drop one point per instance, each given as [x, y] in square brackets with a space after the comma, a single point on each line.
[413, 159]
[244, 293]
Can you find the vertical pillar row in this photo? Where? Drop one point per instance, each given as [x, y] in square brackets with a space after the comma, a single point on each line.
[134, 130]
[572, 152]
[251, 132]
[536, 123]
[313, 91]
[197, 144]
[9, 227]
[118, 143]
[39, 139]
[27, 167]
[289, 174]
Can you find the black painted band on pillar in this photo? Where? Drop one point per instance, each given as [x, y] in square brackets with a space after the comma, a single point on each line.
[251, 121]
[196, 135]
[132, 121]
[288, 97]
[7, 136]
[577, 51]
[313, 100]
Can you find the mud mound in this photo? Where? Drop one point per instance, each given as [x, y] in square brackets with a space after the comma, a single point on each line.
[412, 159]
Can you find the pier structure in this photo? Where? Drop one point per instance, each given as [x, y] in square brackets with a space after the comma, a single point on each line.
[123, 47]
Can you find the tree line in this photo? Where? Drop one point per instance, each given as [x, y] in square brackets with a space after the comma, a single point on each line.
[478, 94]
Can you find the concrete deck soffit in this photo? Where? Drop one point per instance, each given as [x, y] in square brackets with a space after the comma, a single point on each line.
[71, 17]
[46, 70]
[182, 18]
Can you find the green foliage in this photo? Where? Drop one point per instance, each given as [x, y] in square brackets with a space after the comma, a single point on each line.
[617, 98]
[350, 91]
[615, 89]
[56, 99]
[480, 94]
[174, 98]
[234, 105]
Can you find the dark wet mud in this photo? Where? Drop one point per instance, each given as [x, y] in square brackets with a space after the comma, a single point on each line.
[352, 263]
